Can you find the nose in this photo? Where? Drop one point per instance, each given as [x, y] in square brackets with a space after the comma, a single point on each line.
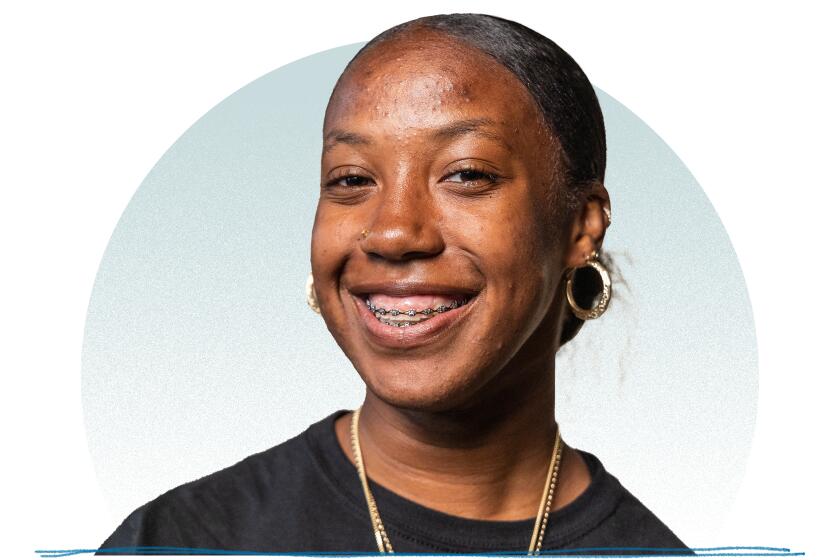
[404, 224]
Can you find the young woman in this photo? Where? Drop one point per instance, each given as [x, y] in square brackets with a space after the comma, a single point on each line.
[462, 188]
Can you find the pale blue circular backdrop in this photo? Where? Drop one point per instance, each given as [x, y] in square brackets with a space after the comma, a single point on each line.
[199, 347]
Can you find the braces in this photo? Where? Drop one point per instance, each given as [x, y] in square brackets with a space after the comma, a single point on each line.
[412, 312]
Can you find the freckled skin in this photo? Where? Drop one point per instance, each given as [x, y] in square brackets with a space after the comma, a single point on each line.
[424, 219]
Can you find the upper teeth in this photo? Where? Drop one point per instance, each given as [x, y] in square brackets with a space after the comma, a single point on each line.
[412, 312]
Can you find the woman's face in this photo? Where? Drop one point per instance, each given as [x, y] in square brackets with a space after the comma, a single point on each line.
[436, 180]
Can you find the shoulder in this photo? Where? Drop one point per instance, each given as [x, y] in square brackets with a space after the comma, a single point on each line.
[219, 511]
[625, 522]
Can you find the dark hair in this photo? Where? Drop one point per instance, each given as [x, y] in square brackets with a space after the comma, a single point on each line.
[561, 90]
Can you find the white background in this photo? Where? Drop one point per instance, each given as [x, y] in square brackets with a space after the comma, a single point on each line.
[93, 94]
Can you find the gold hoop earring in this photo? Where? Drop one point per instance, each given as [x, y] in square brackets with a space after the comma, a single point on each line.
[311, 297]
[606, 291]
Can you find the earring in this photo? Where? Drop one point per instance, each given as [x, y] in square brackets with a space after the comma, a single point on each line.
[311, 297]
[606, 291]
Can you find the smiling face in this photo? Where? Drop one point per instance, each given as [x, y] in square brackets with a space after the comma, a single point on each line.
[436, 253]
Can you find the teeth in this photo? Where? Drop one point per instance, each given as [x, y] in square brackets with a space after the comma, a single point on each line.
[382, 314]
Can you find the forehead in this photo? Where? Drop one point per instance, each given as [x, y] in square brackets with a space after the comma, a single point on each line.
[424, 80]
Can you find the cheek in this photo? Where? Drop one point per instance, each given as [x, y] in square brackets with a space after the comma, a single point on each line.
[512, 252]
[506, 237]
[332, 242]
[332, 239]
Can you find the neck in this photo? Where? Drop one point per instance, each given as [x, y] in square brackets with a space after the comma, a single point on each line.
[488, 462]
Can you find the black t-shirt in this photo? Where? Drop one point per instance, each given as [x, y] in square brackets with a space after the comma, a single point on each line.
[304, 495]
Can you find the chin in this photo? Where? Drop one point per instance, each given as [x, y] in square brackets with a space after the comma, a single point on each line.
[413, 386]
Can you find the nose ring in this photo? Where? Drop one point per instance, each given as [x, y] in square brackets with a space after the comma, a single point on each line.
[365, 233]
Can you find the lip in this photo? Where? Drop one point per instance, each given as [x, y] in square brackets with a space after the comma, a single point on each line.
[409, 287]
[416, 335]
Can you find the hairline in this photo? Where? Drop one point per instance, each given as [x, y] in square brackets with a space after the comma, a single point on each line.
[562, 198]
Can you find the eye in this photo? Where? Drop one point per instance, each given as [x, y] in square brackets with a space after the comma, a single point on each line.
[472, 176]
[348, 180]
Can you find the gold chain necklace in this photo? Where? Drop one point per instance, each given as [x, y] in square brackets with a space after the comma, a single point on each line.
[540, 522]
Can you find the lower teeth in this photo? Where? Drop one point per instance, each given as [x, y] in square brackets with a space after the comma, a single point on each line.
[385, 320]
[394, 324]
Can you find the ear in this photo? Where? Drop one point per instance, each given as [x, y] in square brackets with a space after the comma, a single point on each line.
[588, 226]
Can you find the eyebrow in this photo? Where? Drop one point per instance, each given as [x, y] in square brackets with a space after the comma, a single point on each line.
[448, 132]
[340, 136]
